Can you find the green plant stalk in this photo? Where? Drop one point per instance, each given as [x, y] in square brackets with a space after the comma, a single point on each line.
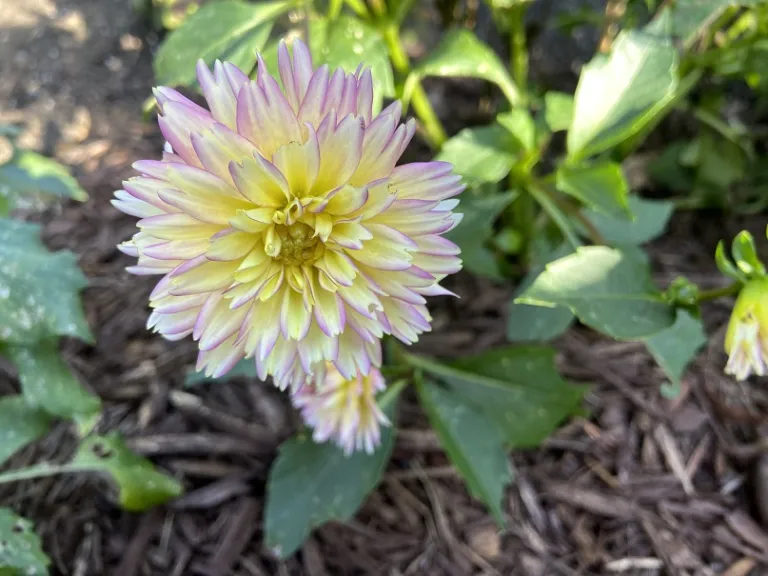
[716, 293]
[42, 470]
[549, 205]
[392, 392]
[359, 8]
[334, 9]
[421, 106]
[518, 50]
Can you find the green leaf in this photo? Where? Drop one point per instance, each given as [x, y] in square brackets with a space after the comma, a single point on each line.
[311, 484]
[30, 180]
[471, 442]
[668, 170]
[347, 42]
[609, 290]
[484, 154]
[620, 93]
[518, 388]
[140, 485]
[676, 346]
[558, 110]
[47, 383]
[745, 254]
[480, 212]
[39, 290]
[600, 186]
[20, 424]
[685, 19]
[246, 368]
[526, 323]
[20, 547]
[461, 54]
[725, 265]
[521, 125]
[650, 221]
[226, 30]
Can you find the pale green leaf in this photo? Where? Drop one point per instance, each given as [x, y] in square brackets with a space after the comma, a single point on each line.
[20, 424]
[726, 266]
[31, 181]
[461, 54]
[686, 19]
[20, 548]
[227, 30]
[609, 290]
[521, 125]
[346, 43]
[745, 254]
[618, 94]
[47, 383]
[650, 220]
[483, 154]
[600, 186]
[140, 485]
[311, 484]
[472, 233]
[518, 388]
[471, 442]
[558, 110]
[39, 290]
[674, 347]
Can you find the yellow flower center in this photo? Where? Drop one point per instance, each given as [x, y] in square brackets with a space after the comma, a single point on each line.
[292, 245]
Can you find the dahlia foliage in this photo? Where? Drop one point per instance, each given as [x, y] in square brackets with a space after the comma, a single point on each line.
[284, 232]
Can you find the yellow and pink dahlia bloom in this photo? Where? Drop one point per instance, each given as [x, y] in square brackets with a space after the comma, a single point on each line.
[281, 226]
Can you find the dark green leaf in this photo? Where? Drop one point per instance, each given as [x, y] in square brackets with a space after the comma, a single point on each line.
[668, 170]
[558, 110]
[246, 368]
[676, 346]
[484, 154]
[745, 254]
[345, 43]
[641, 71]
[139, 484]
[650, 221]
[311, 484]
[607, 289]
[518, 388]
[39, 290]
[226, 30]
[480, 212]
[471, 442]
[600, 186]
[30, 181]
[20, 547]
[20, 424]
[47, 383]
[461, 54]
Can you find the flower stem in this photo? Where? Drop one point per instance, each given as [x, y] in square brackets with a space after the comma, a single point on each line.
[716, 293]
[334, 9]
[549, 205]
[40, 471]
[518, 51]
[421, 106]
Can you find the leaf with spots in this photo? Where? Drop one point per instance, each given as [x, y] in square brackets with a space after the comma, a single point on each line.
[609, 290]
[20, 424]
[311, 484]
[20, 548]
[518, 389]
[48, 383]
[472, 443]
[39, 290]
[140, 485]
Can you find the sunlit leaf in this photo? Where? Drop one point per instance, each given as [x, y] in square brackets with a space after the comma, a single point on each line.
[641, 71]
[518, 388]
[558, 110]
[609, 290]
[650, 220]
[600, 186]
[471, 442]
[674, 347]
[311, 484]
[228, 30]
[47, 383]
[726, 266]
[521, 125]
[39, 290]
[346, 43]
[140, 485]
[472, 233]
[20, 548]
[483, 154]
[461, 54]
[20, 424]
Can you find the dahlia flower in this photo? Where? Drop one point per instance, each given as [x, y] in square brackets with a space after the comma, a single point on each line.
[746, 341]
[281, 226]
[341, 409]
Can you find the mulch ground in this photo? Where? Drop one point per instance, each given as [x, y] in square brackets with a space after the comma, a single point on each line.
[644, 485]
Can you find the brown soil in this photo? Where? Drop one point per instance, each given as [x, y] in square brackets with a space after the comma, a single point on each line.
[645, 485]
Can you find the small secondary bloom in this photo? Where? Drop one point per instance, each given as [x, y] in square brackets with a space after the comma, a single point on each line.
[343, 410]
[281, 225]
[746, 341]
